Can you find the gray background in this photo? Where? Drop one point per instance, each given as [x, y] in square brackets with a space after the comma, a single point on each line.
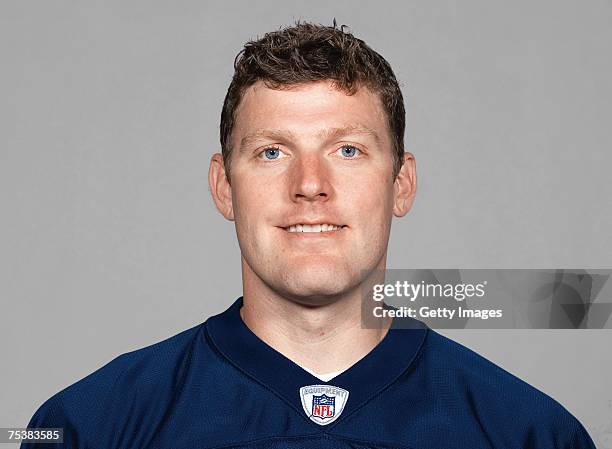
[109, 114]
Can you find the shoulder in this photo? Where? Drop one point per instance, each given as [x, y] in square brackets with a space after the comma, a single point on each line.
[478, 375]
[97, 404]
[498, 400]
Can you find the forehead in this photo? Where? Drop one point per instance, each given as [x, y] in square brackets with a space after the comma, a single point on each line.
[308, 109]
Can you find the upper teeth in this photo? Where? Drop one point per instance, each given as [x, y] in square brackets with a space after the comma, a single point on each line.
[313, 228]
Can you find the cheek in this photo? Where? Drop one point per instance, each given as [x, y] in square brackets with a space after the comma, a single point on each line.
[372, 198]
[247, 200]
[254, 213]
[376, 207]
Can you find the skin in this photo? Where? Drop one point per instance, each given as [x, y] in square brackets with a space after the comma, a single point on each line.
[329, 161]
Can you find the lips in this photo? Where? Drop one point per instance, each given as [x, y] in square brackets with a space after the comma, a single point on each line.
[313, 228]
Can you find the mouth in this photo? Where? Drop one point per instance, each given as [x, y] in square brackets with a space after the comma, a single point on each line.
[314, 228]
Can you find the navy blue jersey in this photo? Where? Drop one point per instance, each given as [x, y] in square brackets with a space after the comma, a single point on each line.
[218, 385]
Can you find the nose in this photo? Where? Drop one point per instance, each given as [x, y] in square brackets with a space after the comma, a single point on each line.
[310, 180]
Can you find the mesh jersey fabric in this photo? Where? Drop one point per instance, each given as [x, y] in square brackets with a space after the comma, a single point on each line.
[219, 386]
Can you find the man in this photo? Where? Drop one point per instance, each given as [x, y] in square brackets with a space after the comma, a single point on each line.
[312, 171]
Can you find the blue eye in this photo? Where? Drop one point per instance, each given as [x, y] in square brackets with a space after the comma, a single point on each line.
[271, 153]
[349, 151]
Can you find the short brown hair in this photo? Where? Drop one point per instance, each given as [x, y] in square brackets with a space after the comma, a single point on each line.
[307, 52]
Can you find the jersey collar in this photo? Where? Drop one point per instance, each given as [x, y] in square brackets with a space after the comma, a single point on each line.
[364, 380]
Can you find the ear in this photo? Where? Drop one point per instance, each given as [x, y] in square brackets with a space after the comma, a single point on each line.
[404, 186]
[220, 188]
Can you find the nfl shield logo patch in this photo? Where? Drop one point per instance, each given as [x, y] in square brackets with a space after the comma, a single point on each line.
[323, 404]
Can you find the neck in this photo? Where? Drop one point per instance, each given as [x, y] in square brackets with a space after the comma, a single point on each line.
[323, 338]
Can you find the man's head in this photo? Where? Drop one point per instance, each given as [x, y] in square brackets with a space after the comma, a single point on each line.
[309, 53]
[312, 133]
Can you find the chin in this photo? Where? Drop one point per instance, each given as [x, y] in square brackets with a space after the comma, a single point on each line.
[318, 285]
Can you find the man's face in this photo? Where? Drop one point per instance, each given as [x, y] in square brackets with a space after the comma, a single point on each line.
[311, 158]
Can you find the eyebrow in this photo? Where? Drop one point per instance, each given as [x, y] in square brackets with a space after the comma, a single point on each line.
[326, 133]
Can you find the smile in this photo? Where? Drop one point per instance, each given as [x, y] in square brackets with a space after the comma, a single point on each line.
[313, 227]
